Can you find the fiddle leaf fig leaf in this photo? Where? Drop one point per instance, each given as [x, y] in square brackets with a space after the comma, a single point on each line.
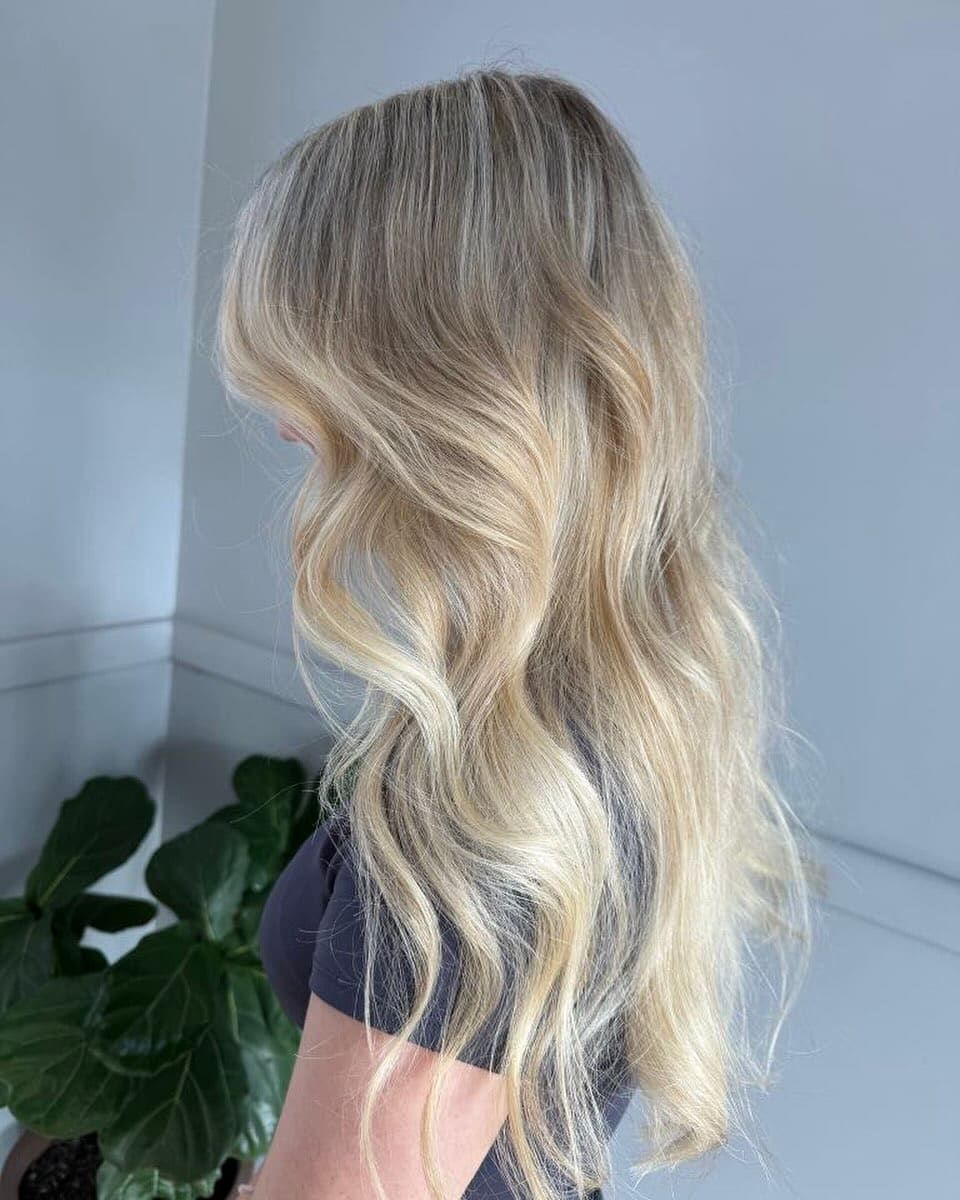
[55, 1084]
[26, 951]
[261, 779]
[183, 1119]
[96, 831]
[267, 789]
[149, 1184]
[201, 875]
[109, 914]
[243, 941]
[158, 996]
[73, 959]
[249, 918]
[268, 1043]
[70, 958]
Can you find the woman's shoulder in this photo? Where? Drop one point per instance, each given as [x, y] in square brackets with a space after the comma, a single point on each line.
[342, 952]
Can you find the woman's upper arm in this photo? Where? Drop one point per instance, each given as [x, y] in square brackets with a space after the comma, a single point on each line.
[315, 1153]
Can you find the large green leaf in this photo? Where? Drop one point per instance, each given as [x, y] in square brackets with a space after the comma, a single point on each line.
[267, 790]
[263, 779]
[268, 1043]
[96, 831]
[56, 1085]
[182, 1120]
[109, 914]
[159, 996]
[249, 918]
[242, 944]
[73, 959]
[201, 875]
[149, 1184]
[26, 951]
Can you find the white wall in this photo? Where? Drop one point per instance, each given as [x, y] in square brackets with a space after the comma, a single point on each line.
[102, 112]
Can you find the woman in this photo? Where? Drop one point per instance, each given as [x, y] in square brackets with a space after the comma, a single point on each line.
[561, 823]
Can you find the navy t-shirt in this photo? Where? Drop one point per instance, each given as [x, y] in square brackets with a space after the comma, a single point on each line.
[312, 940]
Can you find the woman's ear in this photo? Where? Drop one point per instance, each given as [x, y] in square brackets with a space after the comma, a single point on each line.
[287, 433]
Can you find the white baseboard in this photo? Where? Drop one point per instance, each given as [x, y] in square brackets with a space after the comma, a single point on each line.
[53, 656]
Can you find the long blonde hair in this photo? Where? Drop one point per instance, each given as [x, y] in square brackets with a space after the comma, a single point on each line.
[467, 299]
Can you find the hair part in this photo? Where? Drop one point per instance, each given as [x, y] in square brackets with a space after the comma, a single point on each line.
[468, 299]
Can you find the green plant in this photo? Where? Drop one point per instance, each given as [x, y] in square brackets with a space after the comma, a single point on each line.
[96, 831]
[177, 1055]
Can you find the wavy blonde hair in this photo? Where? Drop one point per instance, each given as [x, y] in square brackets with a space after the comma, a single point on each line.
[465, 297]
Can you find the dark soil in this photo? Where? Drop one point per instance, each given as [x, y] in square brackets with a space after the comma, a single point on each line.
[64, 1171]
[67, 1170]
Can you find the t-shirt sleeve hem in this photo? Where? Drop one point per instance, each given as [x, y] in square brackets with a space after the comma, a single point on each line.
[347, 998]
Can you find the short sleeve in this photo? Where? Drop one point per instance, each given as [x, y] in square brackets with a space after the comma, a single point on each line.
[337, 976]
